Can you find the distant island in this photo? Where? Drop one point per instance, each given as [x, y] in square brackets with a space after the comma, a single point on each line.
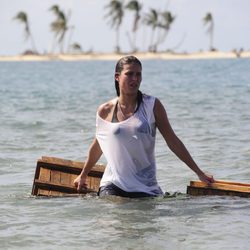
[115, 56]
[158, 24]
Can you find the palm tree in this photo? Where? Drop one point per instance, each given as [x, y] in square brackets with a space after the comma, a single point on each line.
[115, 14]
[71, 31]
[56, 10]
[23, 18]
[59, 26]
[76, 47]
[151, 19]
[136, 7]
[167, 20]
[208, 20]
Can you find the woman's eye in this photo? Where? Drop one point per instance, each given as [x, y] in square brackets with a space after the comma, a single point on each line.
[131, 74]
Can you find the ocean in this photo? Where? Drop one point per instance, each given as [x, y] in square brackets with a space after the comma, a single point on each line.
[49, 108]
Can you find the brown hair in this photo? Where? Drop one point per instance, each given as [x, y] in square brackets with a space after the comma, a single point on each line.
[119, 67]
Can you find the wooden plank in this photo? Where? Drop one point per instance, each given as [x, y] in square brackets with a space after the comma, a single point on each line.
[61, 188]
[96, 171]
[221, 185]
[69, 163]
[55, 177]
[66, 179]
[219, 188]
[198, 191]
[44, 174]
[62, 162]
[72, 178]
[50, 193]
[233, 183]
[42, 192]
[55, 193]
[95, 183]
[37, 172]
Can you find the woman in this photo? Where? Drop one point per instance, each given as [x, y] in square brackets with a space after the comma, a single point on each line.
[125, 134]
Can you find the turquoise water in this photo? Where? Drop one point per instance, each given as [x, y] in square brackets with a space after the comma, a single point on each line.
[48, 108]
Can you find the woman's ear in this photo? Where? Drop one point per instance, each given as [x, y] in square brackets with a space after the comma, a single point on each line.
[117, 76]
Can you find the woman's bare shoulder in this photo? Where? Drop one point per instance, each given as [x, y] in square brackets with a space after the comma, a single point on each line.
[106, 108]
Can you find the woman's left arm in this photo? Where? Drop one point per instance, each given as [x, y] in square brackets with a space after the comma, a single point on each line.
[174, 143]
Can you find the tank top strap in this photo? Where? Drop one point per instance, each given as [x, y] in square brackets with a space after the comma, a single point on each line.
[114, 116]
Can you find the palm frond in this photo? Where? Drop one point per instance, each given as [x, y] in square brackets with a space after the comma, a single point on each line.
[134, 5]
[76, 46]
[151, 18]
[22, 17]
[115, 14]
[61, 16]
[167, 20]
[208, 18]
[58, 26]
[55, 9]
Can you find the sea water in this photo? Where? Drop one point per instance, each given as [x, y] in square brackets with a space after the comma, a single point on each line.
[49, 108]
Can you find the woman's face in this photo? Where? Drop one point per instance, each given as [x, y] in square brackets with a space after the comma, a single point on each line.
[129, 78]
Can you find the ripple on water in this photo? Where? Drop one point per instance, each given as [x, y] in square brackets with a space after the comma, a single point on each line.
[53, 113]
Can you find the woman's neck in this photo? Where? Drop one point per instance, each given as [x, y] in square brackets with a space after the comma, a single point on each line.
[126, 107]
[127, 100]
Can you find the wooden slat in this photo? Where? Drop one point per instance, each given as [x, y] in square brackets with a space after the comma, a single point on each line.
[43, 192]
[55, 186]
[62, 162]
[55, 177]
[198, 191]
[65, 179]
[44, 174]
[233, 183]
[60, 188]
[55, 193]
[96, 171]
[72, 178]
[221, 185]
[68, 163]
[219, 188]
[95, 183]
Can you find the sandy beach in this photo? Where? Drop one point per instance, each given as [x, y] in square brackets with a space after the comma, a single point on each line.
[114, 56]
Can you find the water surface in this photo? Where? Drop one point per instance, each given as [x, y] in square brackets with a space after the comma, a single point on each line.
[48, 108]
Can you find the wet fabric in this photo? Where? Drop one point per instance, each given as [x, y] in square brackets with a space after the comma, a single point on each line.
[112, 189]
[129, 147]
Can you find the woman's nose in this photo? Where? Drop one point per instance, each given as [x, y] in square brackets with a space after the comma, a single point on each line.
[135, 76]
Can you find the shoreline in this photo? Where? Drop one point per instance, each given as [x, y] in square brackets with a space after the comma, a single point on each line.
[115, 56]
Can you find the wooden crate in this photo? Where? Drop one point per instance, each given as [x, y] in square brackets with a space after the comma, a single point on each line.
[219, 188]
[55, 177]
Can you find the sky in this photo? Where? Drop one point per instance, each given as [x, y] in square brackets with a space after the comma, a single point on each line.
[93, 33]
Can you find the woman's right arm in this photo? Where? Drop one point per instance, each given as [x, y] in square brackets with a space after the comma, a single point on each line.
[94, 155]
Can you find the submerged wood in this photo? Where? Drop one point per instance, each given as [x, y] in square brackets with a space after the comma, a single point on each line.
[54, 177]
[219, 187]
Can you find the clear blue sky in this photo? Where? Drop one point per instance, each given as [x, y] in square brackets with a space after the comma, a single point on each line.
[231, 17]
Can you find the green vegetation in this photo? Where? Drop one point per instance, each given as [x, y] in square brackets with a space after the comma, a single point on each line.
[116, 13]
[60, 26]
[136, 7]
[158, 22]
[208, 20]
[23, 18]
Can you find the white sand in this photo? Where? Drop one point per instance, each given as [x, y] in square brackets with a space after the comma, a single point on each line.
[113, 56]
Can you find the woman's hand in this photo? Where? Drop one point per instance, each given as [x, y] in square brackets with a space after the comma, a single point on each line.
[80, 182]
[207, 178]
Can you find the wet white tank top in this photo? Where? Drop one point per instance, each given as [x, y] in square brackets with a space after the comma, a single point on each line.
[128, 147]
